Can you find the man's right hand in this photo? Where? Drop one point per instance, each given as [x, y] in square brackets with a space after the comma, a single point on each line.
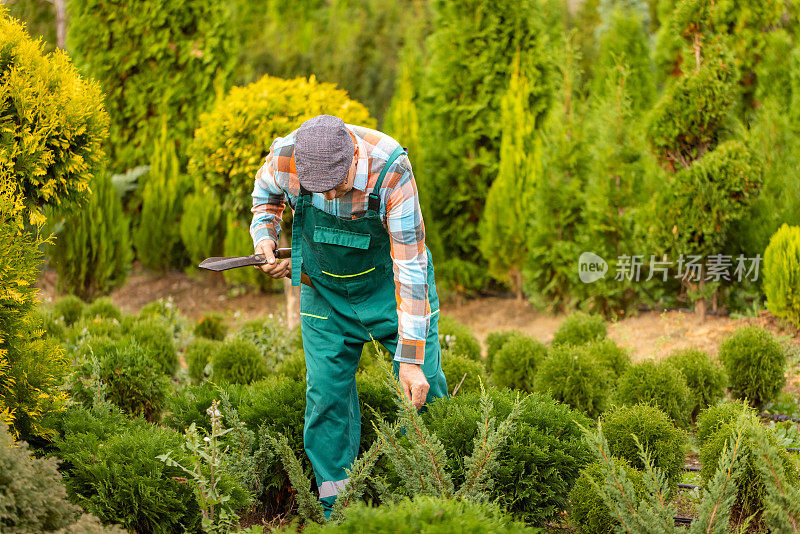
[274, 268]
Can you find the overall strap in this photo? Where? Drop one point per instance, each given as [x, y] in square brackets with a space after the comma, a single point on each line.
[374, 196]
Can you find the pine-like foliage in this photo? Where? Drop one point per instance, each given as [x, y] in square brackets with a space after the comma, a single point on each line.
[782, 512]
[504, 226]
[782, 274]
[202, 227]
[471, 47]
[157, 236]
[92, 252]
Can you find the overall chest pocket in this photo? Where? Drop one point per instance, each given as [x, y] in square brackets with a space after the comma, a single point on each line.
[343, 253]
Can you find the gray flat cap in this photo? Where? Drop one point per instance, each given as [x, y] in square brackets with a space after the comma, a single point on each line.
[323, 153]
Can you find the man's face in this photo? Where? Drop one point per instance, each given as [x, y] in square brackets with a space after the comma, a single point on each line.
[347, 184]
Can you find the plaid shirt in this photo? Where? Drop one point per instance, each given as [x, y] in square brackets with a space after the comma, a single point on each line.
[277, 181]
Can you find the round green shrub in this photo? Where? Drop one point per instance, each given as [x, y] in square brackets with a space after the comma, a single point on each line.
[422, 515]
[515, 365]
[166, 311]
[713, 417]
[588, 510]
[579, 328]
[705, 378]
[613, 358]
[657, 384]
[538, 464]
[211, 326]
[751, 489]
[103, 307]
[573, 377]
[666, 444]
[456, 365]
[152, 334]
[755, 363]
[782, 273]
[239, 362]
[95, 327]
[189, 404]
[495, 342]
[198, 354]
[69, 308]
[458, 339]
[53, 326]
[271, 338]
[293, 366]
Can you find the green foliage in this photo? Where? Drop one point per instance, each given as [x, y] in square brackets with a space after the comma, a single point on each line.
[53, 123]
[69, 308]
[153, 335]
[588, 508]
[201, 226]
[495, 342]
[782, 274]
[239, 362]
[665, 444]
[538, 464]
[198, 355]
[456, 366]
[705, 377]
[458, 339]
[103, 308]
[572, 376]
[168, 68]
[713, 417]
[611, 357]
[579, 328]
[293, 366]
[271, 337]
[238, 242]
[211, 326]
[782, 511]
[92, 253]
[164, 310]
[657, 384]
[516, 363]
[755, 363]
[423, 515]
[235, 136]
[157, 235]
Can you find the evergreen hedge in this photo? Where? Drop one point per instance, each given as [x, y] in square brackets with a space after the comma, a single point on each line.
[782, 274]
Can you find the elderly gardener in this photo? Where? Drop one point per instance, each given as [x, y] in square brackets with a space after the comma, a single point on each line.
[357, 233]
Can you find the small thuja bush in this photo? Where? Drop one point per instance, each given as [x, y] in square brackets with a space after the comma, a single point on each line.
[462, 370]
[713, 417]
[154, 336]
[572, 376]
[658, 384]
[495, 341]
[165, 310]
[782, 274]
[211, 326]
[588, 510]
[103, 308]
[271, 337]
[580, 328]
[293, 366]
[458, 339]
[610, 356]
[538, 464]
[705, 378]
[755, 363]
[93, 327]
[69, 309]
[238, 361]
[515, 365]
[198, 355]
[626, 427]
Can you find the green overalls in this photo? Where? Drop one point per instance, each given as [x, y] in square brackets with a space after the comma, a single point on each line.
[353, 296]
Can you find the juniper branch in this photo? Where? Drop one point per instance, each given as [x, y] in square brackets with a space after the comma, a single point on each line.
[407, 469]
[782, 511]
[357, 479]
[309, 507]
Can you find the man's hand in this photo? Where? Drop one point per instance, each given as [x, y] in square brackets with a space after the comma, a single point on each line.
[273, 267]
[414, 383]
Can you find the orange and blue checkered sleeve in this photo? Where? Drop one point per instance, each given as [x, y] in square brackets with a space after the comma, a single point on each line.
[269, 200]
[410, 259]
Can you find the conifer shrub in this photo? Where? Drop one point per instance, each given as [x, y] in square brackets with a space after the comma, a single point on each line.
[375, 400]
[104, 308]
[588, 510]
[782, 274]
[189, 405]
[69, 309]
[197, 355]
[422, 515]
[570, 375]
[53, 326]
[458, 339]
[540, 461]
[271, 337]
[166, 311]
[455, 366]
[238, 361]
[515, 365]
[579, 328]
[495, 342]
[211, 326]
[713, 417]
[657, 384]
[705, 378]
[750, 497]
[88, 327]
[754, 361]
[610, 356]
[201, 228]
[153, 335]
[292, 366]
[238, 242]
[666, 444]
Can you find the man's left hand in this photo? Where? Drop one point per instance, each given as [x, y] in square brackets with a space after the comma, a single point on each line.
[415, 385]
